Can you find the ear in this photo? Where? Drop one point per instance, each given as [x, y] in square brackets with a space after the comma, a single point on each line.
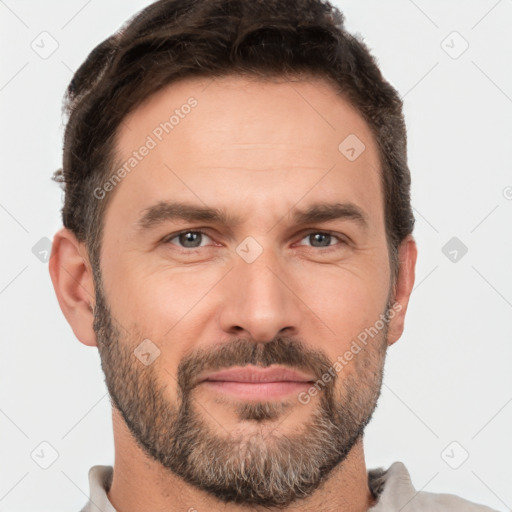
[402, 289]
[71, 275]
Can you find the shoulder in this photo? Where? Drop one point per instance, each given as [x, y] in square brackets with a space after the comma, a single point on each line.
[393, 490]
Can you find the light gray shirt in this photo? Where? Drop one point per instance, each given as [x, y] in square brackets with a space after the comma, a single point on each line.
[392, 487]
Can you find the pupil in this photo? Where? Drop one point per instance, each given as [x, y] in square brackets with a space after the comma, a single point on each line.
[324, 239]
[190, 239]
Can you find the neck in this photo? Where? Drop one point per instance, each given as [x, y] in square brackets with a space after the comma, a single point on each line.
[141, 483]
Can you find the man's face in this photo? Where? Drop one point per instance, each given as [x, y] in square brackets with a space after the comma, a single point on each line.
[264, 284]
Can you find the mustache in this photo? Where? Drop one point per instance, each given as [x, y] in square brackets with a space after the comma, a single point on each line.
[281, 350]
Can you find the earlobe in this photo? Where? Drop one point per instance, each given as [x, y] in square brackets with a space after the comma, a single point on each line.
[72, 280]
[407, 254]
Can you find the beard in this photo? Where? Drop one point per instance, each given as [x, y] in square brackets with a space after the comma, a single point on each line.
[258, 467]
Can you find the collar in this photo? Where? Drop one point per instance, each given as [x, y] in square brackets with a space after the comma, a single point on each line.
[100, 480]
[388, 487]
[391, 487]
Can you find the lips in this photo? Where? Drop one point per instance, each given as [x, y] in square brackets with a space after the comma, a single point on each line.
[257, 383]
[253, 374]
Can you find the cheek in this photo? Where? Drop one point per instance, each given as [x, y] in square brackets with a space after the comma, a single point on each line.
[346, 300]
[170, 308]
[169, 304]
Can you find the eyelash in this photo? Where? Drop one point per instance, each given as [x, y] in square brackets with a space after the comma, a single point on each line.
[341, 240]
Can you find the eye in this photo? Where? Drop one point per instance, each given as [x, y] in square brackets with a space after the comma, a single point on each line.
[188, 239]
[323, 239]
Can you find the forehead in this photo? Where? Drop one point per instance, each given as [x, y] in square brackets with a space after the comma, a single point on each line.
[207, 140]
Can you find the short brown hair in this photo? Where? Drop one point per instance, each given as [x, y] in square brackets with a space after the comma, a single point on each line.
[176, 39]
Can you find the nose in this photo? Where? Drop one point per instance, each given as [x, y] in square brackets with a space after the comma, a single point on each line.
[259, 300]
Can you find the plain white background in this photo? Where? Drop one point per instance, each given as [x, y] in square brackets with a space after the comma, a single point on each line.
[447, 393]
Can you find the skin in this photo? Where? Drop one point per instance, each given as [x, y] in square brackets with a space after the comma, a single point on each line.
[257, 150]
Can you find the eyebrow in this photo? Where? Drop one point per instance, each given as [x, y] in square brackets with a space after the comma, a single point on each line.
[167, 211]
[323, 212]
